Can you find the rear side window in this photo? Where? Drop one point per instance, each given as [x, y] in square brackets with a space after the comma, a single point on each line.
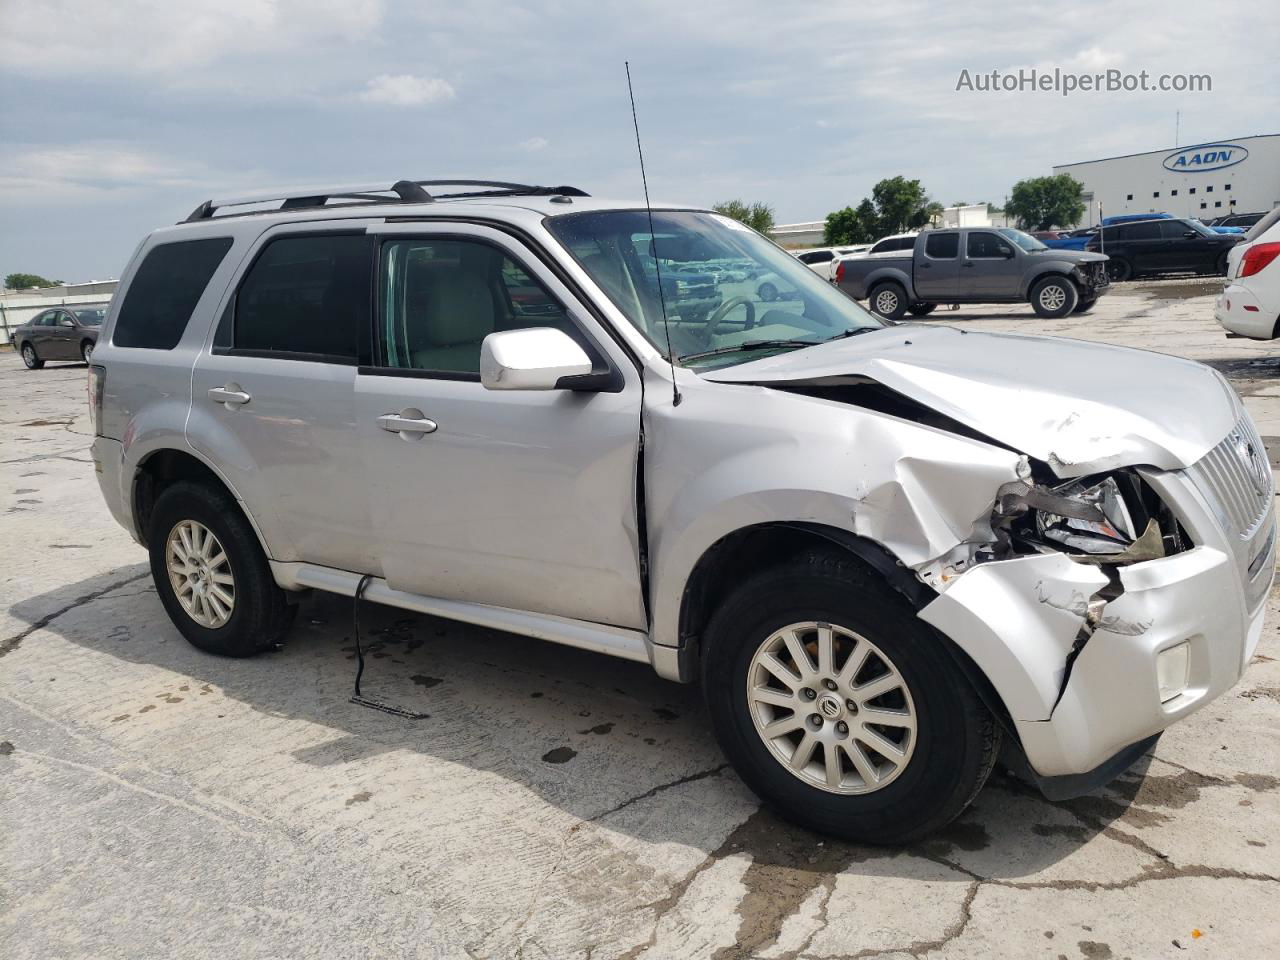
[306, 296]
[942, 246]
[165, 290]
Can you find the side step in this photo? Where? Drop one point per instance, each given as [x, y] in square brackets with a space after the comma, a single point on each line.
[596, 637]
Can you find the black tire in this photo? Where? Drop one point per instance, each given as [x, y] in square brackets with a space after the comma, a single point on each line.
[1059, 291]
[1222, 266]
[767, 292]
[86, 350]
[29, 357]
[921, 309]
[1118, 270]
[1084, 306]
[888, 300]
[261, 615]
[957, 739]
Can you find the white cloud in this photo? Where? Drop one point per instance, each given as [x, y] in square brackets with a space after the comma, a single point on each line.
[533, 144]
[406, 90]
[53, 173]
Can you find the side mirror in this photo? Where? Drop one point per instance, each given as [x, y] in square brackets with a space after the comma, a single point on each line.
[1190, 235]
[64, 322]
[533, 359]
[1007, 252]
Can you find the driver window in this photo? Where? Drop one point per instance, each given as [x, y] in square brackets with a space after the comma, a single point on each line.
[987, 246]
[440, 298]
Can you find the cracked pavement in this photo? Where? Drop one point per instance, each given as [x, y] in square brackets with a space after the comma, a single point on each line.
[157, 801]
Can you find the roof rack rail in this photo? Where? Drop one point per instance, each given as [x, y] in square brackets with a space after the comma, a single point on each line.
[405, 191]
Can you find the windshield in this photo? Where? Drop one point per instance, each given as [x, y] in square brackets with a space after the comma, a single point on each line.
[91, 316]
[1024, 240]
[729, 294]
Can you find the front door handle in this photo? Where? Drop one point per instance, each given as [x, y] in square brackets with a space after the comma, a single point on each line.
[231, 395]
[402, 424]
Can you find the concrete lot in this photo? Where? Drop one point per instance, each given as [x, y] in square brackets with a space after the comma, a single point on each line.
[156, 801]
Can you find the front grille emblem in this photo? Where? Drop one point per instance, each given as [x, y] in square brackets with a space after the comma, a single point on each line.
[1255, 463]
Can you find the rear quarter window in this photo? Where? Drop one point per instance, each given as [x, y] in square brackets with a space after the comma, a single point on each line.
[165, 290]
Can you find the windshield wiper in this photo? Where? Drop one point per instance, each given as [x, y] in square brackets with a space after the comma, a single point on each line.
[748, 346]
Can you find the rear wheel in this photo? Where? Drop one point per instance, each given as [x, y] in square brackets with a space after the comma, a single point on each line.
[889, 300]
[839, 708]
[212, 575]
[921, 309]
[86, 350]
[1054, 297]
[1118, 270]
[29, 357]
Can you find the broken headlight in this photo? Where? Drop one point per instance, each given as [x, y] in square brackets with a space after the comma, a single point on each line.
[1113, 518]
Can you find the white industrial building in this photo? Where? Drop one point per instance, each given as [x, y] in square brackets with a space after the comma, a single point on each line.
[1205, 180]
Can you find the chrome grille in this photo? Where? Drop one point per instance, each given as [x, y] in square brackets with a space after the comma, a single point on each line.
[1235, 477]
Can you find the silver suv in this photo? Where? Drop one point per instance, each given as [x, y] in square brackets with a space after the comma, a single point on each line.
[888, 552]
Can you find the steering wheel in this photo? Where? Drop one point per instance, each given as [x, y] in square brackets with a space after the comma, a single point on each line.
[713, 322]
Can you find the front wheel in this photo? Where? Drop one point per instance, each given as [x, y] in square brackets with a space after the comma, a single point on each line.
[86, 351]
[1084, 306]
[839, 708]
[1118, 270]
[1054, 297]
[889, 300]
[1223, 265]
[767, 292]
[211, 574]
[921, 309]
[29, 357]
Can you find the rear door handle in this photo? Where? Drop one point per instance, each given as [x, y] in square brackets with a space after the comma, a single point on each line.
[395, 423]
[231, 395]
[968, 264]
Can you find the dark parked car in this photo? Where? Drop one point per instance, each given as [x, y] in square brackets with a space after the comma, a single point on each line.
[1245, 220]
[63, 333]
[1152, 247]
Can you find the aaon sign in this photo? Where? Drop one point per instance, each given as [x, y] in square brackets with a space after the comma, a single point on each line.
[1210, 156]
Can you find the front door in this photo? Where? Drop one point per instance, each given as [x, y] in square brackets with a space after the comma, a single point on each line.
[272, 399]
[518, 499]
[991, 266]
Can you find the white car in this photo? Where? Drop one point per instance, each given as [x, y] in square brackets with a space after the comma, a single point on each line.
[1249, 304]
[894, 243]
[823, 261]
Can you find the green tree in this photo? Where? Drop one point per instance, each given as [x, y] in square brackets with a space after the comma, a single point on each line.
[1043, 202]
[757, 216]
[851, 225]
[27, 281]
[900, 203]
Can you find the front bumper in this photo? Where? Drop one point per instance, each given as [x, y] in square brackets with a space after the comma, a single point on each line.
[1238, 311]
[1018, 619]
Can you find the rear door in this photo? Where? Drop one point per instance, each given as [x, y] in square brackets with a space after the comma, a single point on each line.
[38, 333]
[991, 267]
[937, 268]
[272, 400]
[512, 498]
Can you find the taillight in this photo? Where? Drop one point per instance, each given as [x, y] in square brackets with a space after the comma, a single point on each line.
[839, 270]
[97, 384]
[1257, 257]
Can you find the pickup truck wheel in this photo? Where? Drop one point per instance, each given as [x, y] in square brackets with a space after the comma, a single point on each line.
[921, 309]
[767, 292]
[211, 574]
[889, 300]
[1118, 270]
[1054, 297]
[839, 708]
[29, 357]
[1084, 306]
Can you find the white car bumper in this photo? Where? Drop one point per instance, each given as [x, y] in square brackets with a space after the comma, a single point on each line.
[1238, 310]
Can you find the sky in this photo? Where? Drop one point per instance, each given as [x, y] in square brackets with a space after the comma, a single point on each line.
[119, 117]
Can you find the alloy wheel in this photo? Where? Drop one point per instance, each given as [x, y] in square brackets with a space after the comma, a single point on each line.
[1053, 297]
[831, 707]
[200, 574]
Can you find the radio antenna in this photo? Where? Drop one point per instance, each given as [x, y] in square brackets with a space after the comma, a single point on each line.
[653, 243]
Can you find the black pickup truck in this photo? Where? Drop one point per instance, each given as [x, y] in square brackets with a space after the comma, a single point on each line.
[969, 265]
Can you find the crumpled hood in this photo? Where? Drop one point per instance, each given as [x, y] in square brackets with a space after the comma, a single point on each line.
[1080, 407]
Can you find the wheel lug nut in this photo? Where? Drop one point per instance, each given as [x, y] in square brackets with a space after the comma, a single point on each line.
[808, 694]
[831, 684]
[815, 721]
[842, 728]
[852, 707]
